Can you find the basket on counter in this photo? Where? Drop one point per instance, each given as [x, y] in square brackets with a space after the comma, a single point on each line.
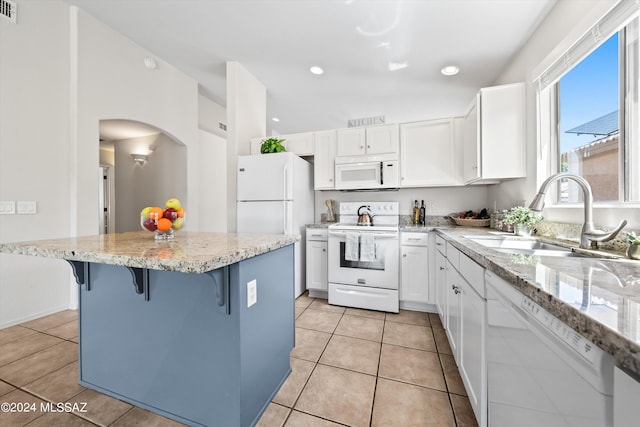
[470, 222]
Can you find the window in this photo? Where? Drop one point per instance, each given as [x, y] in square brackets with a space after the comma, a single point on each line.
[588, 124]
[589, 116]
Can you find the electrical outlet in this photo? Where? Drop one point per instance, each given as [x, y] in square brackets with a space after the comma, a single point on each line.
[252, 293]
[7, 208]
[26, 207]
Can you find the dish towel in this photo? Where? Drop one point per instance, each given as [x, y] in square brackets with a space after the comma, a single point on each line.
[367, 248]
[351, 247]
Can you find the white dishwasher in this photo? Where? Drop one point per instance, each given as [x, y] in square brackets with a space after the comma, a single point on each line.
[540, 372]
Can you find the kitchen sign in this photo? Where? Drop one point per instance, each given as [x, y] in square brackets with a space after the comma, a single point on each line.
[366, 121]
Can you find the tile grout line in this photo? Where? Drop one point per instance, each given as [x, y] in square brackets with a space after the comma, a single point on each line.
[313, 370]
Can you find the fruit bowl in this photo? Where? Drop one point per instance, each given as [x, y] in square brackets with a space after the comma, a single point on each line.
[163, 222]
[471, 222]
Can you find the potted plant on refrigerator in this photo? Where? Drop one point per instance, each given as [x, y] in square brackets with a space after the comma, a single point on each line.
[272, 145]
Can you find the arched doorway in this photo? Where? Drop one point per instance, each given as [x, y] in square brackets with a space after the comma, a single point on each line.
[140, 165]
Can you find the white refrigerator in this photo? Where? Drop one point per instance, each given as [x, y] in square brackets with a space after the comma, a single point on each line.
[275, 196]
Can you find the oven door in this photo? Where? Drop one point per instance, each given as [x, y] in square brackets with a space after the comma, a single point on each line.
[380, 273]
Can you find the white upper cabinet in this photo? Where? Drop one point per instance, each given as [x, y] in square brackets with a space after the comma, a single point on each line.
[428, 153]
[471, 152]
[494, 143]
[382, 139]
[351, 142]
[371, 140]
[324, 162]
[299, 143]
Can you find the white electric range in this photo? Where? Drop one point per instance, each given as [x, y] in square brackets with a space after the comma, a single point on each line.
[363, 260]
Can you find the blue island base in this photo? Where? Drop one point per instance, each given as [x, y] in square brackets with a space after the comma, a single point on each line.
[186, 346]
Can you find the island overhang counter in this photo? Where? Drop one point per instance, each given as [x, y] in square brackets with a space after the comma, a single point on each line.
[172, 326]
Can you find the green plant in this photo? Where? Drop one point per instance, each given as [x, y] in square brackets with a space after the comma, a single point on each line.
[522, 216]
[632, 239]
[272, 145]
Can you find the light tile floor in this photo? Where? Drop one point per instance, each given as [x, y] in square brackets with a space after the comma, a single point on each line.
[349, 367]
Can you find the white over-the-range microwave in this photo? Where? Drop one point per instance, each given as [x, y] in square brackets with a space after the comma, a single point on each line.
[366, 172]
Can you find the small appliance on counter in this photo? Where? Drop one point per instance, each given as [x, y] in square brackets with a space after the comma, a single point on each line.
[363, 256]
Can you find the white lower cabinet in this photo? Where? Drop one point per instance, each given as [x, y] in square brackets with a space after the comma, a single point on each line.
[465, 313]
[471, 351]
[317, 272]
[440, 277]
[414, 273]
[454, 307]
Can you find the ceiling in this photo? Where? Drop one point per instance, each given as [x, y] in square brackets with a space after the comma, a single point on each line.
[354, 41]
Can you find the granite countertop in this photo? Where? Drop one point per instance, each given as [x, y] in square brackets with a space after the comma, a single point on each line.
[320, 225]
[597, 297]
[188, 252]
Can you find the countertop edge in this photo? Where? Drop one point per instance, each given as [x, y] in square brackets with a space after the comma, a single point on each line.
[198, 264]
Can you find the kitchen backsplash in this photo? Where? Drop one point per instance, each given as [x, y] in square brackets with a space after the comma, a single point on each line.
[565, 231]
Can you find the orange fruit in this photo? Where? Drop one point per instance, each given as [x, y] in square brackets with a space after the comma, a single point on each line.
[155, 213]
[180, 213]
[164, 224]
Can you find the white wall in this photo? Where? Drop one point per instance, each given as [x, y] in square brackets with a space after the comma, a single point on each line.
[61, 72]
[162, 177]
[213, 182]
[34, 155]
[246, 119]
[209, 114]
[113, 83]
[566, 22]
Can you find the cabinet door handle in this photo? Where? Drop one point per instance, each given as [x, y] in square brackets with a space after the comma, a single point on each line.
[404, 255]
[441, 268]
[324, 250]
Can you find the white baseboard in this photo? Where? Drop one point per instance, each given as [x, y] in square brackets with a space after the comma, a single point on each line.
[19, 320]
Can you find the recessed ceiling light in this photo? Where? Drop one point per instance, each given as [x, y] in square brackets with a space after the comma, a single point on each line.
[316, 70]
[450, 70]
[275, 119]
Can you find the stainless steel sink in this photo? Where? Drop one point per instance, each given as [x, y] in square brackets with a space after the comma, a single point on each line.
[524, 246]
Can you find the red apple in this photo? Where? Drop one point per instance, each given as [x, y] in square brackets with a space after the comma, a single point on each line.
[171, 214]
[149, 224]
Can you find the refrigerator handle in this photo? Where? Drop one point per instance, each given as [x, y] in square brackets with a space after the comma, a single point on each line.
[381, 173]
[285, 181]
[284, 217]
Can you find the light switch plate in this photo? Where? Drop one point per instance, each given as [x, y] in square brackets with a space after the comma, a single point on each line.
[26, 207]
[252, 293]
[7, 208]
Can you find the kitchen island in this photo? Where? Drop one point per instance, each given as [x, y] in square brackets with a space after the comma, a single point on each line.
[198, 329]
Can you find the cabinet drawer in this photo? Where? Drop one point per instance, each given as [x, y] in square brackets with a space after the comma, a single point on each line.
[414, 239]
[441, 245]
[472, 273]
[453, 255]
[317, 234]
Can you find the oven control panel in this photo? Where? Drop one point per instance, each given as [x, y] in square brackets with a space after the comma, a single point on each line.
[376, 208]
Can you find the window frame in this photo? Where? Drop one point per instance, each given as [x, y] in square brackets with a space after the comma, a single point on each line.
[548, 74]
